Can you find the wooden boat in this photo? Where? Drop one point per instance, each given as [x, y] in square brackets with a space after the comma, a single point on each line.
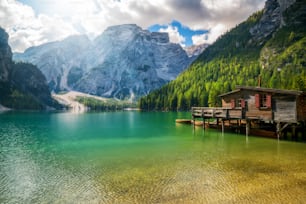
[184, 121]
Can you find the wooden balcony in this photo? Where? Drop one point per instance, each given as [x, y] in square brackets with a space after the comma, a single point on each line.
[218, 112]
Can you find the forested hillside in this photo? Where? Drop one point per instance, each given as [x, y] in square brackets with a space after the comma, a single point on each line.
[248, 54]
[22, 85]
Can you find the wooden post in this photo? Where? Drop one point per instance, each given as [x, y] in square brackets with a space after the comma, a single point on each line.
[193, 119]
[247, 127]
[294, 135]
[203, 123]
[222, 124]
[278, 130]
[303, 132]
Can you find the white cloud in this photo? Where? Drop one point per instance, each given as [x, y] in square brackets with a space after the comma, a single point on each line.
[199, 39]
[27, 29]
[174, 35]
[49, 20]
[211, 36]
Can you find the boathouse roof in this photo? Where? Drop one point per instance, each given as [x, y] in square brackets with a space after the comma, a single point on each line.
[261, 89]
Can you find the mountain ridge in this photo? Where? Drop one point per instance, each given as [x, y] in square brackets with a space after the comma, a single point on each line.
[241, 57]
[124, 62]
[22, 85]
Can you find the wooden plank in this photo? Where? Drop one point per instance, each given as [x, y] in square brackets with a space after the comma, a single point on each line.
[301, 108]
[232, 103]
[285, 110]
[257, 100]
[269, 101]
[216, 112]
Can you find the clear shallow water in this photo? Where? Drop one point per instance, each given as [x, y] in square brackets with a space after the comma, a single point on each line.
[133, 157]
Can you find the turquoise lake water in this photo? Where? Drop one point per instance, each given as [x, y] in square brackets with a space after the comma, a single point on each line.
[135, 157]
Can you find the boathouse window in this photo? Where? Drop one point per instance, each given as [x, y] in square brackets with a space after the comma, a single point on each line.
[238, 103]
[263, 100]
[233, 103]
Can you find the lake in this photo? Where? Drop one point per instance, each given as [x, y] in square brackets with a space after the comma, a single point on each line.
[136, 157]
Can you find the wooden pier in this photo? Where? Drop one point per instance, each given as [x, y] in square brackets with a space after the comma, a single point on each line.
[274, 112]
[223, 117]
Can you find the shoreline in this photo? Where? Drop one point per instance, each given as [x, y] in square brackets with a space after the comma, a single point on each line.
[68, 99]
[3, 108]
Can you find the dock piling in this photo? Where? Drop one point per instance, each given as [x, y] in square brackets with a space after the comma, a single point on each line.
[222, 122]
[247, 127]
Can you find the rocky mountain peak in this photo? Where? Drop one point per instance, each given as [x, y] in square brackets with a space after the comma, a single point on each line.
[124, 62]
[125, 31]
[284, 4]
[4, 41]
[22, 85]
[160, 37]
[271, 20]
[195, 50]
[5, 56]
[122, 28]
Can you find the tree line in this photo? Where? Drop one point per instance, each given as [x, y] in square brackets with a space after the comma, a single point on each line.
[236, 59]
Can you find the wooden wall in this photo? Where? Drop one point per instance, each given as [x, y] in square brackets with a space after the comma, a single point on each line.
[301, 108]
[235, 113]
[253, 112]
[285, 108]
[227, 103]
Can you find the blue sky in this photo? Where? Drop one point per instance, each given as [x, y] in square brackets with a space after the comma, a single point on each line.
[188, 22]
[184, 31]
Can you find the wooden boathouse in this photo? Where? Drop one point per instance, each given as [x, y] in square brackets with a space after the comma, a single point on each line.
[256, 108]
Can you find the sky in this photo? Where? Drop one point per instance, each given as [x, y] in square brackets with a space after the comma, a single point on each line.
[188, 22]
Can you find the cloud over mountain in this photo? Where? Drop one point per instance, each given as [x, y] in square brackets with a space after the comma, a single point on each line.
[32, 22]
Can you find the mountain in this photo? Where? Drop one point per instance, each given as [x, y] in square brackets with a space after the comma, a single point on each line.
[268, 49]
[124, 62]
[22, 85]
[5, 57]
[195, 50]
[56, 59]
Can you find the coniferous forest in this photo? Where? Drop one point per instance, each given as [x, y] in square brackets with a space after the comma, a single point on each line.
[277, 61]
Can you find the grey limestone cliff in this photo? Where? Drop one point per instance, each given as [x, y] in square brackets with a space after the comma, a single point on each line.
[22, 85]
[271, 20]
[195, 50]
[55, 59]
[124, 62]
[5, 56]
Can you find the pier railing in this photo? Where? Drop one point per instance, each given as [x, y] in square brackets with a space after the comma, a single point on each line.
[217, 112]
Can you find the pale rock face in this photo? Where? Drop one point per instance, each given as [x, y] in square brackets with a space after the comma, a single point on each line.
[25, 79]
[5, 56]
[124, 62]
[271, 20]
[284, 4]
[195, 50]
[56, 59]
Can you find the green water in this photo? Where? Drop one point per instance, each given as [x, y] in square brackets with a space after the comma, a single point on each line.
[134, 157]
